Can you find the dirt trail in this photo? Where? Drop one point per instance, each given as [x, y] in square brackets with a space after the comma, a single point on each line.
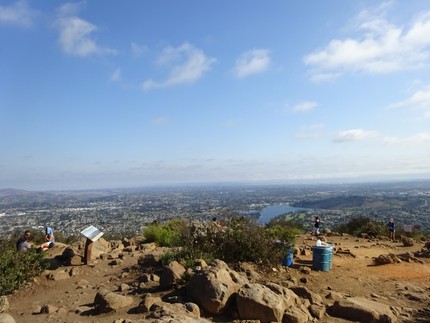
[72, 298]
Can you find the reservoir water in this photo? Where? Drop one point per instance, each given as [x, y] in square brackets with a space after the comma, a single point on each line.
[270, 212]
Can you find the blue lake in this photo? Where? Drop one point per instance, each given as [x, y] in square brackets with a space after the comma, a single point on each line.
[270, 212]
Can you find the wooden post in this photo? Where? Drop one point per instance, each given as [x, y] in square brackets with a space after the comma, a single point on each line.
[88, 247]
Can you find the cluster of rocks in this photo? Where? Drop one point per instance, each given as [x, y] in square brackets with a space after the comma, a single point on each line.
[214, 291]
[406, 257]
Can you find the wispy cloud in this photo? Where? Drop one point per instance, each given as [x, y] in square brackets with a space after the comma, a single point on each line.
[18, 14]
[137, 49]
[160, 121]
[305, 106]
[251, 62]
[380, 47]
[186, 64]
[76, 34]
[314, 131]
[419, 100]
[354, 135]
[420, 138]
[116, 76]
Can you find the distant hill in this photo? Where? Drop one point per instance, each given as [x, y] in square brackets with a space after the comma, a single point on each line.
[348, 202]
[6, 192]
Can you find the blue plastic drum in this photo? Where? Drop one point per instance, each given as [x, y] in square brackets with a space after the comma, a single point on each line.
[322, 257]
[288, 260]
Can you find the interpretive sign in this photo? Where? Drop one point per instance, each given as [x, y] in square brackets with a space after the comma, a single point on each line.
[92, 233]
[407, 228]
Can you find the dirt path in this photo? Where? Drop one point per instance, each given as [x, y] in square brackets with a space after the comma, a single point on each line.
[71, 299]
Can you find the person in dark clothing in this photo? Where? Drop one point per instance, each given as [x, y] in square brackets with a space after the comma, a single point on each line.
[391, 229]
[316, 228]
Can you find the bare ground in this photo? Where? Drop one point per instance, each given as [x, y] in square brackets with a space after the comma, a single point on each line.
[71, 299]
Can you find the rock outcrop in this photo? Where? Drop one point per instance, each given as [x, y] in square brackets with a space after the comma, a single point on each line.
[363, 310]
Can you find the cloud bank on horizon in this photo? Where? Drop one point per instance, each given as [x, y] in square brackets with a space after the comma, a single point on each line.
[109, 95]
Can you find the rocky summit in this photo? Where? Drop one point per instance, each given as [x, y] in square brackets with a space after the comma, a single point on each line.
[370, 280]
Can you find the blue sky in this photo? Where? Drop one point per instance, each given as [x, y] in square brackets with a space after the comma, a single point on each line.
[104, 93]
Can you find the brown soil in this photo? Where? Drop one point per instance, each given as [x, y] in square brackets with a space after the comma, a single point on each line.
[352, 276]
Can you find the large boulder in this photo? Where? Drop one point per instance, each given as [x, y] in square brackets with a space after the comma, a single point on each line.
[363, 310]
[147, 301]
[170, 274]
[177, 312]
[296, 315]
[6, 318]
[99, 247]
[213, 287]
[407, 242]
[258, 302]
[271, 302]
[106, 301]
[305, 293]
[386, 259]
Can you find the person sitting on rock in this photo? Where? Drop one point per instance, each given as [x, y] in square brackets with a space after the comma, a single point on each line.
[24, 243]
[50, 239]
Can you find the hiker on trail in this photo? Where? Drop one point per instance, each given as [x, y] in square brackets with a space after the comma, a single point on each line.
[24, 243]
[50, 239]
[391, 229]
[316, 228]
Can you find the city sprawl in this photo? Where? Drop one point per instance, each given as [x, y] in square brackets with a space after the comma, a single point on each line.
[127, 211]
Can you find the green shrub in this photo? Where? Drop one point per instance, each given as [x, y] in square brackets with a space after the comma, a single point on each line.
[416, 234]
[165, 235]
[17, 268]
[239, 239]
[284, 229]
[363, 224]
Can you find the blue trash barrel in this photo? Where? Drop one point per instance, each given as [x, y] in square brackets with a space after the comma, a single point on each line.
[288, 260]
[322, 258]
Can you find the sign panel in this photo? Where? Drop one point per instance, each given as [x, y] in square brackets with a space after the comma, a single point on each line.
[92, 233]
[407, 228]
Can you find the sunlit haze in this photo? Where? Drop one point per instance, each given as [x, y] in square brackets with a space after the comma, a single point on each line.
[97, 94]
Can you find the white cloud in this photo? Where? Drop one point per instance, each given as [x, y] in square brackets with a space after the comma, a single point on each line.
[116, 76]
[305, 106]
[419, 100]
[18, 14]
[421, 138]
[254, 61]
[137, 49]
[76, 33]
[354, 134]
[186, 64]
[381, 47]
[314, 131]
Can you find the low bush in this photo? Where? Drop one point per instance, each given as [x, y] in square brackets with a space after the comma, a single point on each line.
[168, 234]
[17, 268]
[363, 224]
[416, 234]
[238, 239]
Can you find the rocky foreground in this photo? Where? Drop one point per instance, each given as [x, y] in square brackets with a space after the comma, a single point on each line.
[372, 280]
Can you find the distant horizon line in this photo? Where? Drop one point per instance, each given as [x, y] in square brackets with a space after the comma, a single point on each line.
[343, 181]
